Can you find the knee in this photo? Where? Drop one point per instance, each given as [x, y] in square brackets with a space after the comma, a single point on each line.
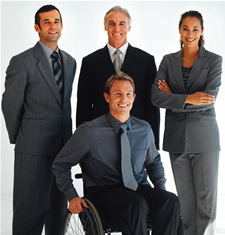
[174, 202]
[140, 205]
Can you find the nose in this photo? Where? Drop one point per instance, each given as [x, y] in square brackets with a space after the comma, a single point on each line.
[190, 33]
[116, 27]
[123, 97]
[52, 25]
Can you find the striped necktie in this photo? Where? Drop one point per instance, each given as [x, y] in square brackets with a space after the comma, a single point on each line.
[126, 167]
[57, 71]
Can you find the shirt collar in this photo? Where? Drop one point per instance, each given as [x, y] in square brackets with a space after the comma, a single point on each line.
[48, 51]
[112, 50]
[116, 124]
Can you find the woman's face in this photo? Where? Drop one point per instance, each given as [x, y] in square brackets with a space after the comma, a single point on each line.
[190, 31]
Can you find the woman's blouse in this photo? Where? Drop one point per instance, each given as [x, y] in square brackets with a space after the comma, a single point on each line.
[185, 72]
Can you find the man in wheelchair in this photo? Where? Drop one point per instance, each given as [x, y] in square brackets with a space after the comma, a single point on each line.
[115, 162]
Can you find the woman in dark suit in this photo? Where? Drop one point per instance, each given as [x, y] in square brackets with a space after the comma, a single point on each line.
[187, 85]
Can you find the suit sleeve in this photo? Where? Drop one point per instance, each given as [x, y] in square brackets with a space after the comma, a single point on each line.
[176, 102]
[152, 112]
[13, 97]
[84, 95]
[213, 83]
[166, 100]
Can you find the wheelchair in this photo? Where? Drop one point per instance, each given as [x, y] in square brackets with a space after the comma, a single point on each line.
[93, 222]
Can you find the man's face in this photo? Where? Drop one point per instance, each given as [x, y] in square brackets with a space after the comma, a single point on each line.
[117, 27]
[120, 99]
[50, 27]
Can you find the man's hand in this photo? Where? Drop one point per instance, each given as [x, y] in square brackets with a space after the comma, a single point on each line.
[199, 98]
[75, 205]
[164, 87]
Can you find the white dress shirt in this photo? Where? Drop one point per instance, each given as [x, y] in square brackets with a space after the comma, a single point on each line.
[112, 50]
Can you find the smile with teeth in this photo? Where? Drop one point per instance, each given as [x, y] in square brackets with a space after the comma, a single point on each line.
[117, 34]
[52, 32]
[190, 40]
[123, 105]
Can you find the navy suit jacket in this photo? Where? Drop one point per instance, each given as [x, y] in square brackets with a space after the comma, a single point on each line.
[97, 68]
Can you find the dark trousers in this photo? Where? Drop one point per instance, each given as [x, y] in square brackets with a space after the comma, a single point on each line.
[133, 207]
[37, 200]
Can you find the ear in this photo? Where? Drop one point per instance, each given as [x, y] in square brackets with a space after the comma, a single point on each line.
[134, 96]
[106, 97]
[129, 28]
[202, 31]
[37, 29]
[105, 26]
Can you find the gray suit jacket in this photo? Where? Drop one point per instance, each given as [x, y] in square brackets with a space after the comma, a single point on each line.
[189, 128]
[36, 119]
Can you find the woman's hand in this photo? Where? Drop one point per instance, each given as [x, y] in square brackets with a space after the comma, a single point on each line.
[164, 87]
[199, 98]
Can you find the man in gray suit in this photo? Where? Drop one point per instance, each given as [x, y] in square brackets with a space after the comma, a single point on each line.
[37, 110]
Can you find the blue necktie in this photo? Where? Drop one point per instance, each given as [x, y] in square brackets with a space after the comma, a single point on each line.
[126, 167]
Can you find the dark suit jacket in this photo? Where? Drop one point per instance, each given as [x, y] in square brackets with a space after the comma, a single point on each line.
[36, 119]
[97, 68]
[189, 128]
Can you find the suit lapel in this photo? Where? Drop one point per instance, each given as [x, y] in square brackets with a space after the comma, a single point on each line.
[104, 57]
[45, 70]
[198, 64]
[176, 67]
[65, 66]
[129, 58]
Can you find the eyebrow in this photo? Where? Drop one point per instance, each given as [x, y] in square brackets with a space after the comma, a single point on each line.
[48, 20]
[122, 91]
[111, 21]
[194, 26]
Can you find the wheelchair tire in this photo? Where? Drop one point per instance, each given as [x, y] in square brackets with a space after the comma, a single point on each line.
[85, 223]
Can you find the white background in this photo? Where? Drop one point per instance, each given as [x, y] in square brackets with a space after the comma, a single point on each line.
[154, 29]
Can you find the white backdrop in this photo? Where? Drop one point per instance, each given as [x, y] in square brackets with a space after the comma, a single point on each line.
[154, 29]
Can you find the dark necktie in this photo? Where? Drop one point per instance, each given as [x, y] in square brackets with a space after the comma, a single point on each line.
[126, 167]
[57, 71]
[117, 62]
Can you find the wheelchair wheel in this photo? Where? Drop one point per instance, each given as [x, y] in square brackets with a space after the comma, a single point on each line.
[85, 223]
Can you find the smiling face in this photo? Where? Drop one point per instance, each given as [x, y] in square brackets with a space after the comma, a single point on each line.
[190, 31]
[120, 99]
[117, 27]
[50, 28]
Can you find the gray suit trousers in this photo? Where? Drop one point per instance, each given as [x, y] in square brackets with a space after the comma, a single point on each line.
[196, 177]
[37, 201]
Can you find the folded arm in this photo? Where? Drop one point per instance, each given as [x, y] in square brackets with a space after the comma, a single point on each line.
[201, 100]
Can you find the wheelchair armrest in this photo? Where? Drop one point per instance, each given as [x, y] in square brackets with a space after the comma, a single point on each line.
[79, 176]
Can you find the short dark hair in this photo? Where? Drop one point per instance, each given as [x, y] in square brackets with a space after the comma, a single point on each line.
[199, 17]
[121, 76]
[45, 8]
